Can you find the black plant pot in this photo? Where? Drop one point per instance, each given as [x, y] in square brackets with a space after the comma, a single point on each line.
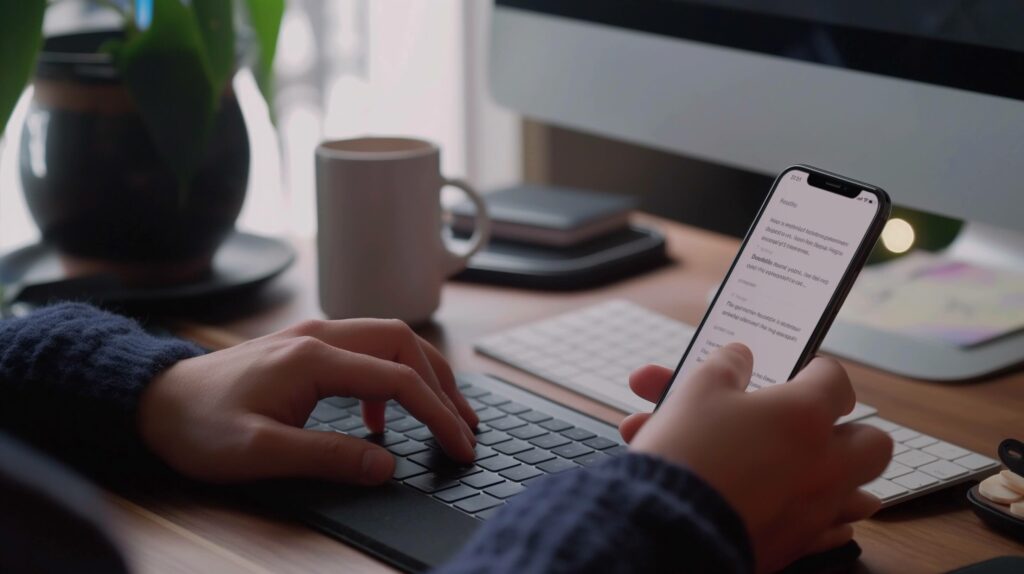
[96, 185]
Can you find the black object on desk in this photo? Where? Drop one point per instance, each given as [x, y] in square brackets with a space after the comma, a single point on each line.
[627, 252]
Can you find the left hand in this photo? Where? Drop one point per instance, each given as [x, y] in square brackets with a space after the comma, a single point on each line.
[237, 414]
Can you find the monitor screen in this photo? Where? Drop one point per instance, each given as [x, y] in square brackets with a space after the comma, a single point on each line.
[935, 41]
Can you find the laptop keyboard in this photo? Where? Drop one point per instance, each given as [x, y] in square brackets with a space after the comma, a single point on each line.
[516, 446]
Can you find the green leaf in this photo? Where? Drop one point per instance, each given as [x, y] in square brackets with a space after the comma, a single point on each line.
[21, 34]
[166, 72]
[217, 29]
[265, 18]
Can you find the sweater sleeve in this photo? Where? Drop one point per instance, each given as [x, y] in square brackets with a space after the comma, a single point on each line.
[70, 380]
[635, 513]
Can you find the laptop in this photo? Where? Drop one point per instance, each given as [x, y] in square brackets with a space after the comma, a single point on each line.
[432, 505]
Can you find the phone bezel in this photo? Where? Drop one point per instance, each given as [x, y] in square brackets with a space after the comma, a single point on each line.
[849, 275]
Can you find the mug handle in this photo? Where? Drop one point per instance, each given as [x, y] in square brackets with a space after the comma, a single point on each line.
[481, 230]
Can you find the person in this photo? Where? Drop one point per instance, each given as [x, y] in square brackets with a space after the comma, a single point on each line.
[717, 480]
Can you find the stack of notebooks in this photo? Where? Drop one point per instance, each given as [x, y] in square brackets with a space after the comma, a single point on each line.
[559, 238]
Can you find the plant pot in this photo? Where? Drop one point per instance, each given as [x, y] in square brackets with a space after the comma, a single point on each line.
[96, 185]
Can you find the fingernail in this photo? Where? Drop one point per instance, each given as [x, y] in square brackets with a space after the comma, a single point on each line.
[376, 465]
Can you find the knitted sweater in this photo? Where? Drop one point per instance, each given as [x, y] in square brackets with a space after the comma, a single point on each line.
[70, 380]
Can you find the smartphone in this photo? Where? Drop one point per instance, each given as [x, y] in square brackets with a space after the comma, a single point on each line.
[794, 269]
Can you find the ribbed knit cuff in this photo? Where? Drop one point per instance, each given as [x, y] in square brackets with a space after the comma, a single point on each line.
[71, 377]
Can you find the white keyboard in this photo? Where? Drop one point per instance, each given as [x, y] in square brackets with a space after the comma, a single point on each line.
[593, 350]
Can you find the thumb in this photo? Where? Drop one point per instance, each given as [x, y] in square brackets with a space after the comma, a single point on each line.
[731, 366]
[286, 451]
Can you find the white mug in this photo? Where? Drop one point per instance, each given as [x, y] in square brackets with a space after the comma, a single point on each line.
[382, 248]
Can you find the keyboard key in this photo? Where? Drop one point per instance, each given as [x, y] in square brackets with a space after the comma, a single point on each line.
[578, 434]
[899, 448]
[883, 489]
[904, 434]
[455, 493]
[914, 458]
[491, 438]
[534, 456]
[483, 480]
[556, 425]
[489, 513]
[405, 425]
[489, 414]
[530, 481]
[946, 451]
[921, 441]
[472, 392]
[341, 402]
[492, 400]
[498, 463]
[975, 461]
[896, 469]
[505, 490]
[534, 416]
[432, 482]
[521, 473]
[512, 447]
[477, 503]
[592, 458]
[386, 438]
[348, 424]
[483, 452]
[572, 450]
[436, 460]
[915, 480]
[406, 448]
[881, 424]
[392, 414]
[943, 470]
[513, 408]
[326, 413]
[420, 434]
[600, 443]
[549, 441]
[557, 465]
[528, 432]
[405, 468]
[507, 423]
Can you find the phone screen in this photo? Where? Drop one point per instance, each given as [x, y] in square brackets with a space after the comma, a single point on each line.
[781, 284]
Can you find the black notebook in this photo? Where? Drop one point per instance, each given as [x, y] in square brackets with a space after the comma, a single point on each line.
[544, 215]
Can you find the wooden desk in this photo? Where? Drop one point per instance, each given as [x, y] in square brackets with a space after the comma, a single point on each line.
[181, 529]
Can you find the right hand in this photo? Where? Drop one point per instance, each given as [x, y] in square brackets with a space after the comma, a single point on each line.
[775, 455]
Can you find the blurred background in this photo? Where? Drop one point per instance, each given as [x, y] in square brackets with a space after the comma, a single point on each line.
[344, 68]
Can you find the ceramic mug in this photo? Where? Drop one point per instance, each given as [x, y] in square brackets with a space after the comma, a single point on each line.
[382, 248]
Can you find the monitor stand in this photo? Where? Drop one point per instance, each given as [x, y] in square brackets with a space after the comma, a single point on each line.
[932, 360]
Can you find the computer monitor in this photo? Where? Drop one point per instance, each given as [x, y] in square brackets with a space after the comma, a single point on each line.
[924, 98]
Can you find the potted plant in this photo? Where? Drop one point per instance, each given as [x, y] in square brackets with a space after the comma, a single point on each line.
[134, 155]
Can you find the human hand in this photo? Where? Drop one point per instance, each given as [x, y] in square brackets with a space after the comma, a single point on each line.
[774, 455]
[237, 414]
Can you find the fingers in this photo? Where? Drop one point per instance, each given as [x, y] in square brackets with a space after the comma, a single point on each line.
[632, 424]
[448, 385]
[859, 506]
[649, 382]
[824, 382]
[731, 366]
[339, 372]
[861, 454]
[393, 341]
[831, 538]
[279, 450]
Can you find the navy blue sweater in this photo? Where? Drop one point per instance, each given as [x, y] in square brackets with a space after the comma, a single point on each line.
[70, 380]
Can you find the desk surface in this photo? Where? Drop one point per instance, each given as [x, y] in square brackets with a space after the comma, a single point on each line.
[185, 528]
